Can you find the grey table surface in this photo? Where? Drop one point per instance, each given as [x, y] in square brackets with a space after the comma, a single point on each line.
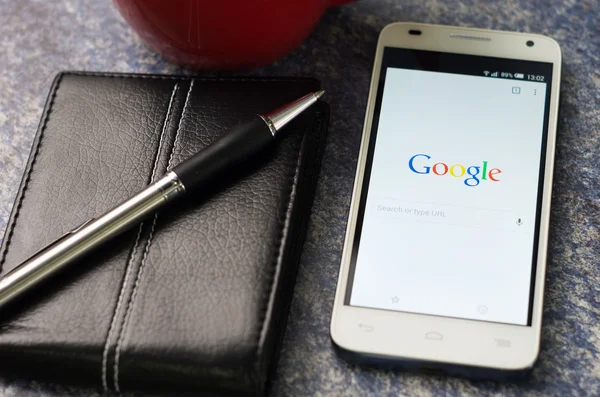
[40, 38]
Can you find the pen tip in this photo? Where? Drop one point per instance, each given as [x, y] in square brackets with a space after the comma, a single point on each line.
[319, 93]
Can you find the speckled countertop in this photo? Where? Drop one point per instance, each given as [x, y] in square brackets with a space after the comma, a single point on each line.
[40, 38]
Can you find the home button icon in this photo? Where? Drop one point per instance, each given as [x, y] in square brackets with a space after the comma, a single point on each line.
[432, 335]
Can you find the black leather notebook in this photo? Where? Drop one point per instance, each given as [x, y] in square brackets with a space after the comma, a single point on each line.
[194, 298]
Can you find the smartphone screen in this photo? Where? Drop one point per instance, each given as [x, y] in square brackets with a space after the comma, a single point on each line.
[448, 218]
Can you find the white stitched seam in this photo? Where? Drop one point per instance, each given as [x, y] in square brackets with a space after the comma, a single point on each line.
[146, 250]
[135, 246]
[117, 309]
[129, 309]
[162, 133]
[187, 98]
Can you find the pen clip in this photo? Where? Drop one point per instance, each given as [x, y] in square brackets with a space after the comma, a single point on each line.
[73, 231]
[78, 228]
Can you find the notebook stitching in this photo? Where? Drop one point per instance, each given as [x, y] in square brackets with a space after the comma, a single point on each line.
[276, 260]
[114, 319]
[146, 250]
[177, 134]
[28, 177]
[261, 335]
[134, 249]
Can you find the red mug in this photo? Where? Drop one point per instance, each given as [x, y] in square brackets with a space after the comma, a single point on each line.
[223, 34]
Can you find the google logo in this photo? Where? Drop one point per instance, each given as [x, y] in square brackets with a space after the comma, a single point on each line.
[456, 170]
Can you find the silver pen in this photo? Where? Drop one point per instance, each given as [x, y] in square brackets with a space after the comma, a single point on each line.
[230, 149]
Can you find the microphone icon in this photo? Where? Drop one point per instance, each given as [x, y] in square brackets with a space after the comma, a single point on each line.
[519, 222]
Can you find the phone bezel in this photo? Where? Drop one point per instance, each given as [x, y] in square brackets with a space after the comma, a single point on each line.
[409, 336]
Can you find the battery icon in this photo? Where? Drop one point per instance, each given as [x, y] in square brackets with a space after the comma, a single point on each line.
[519, 76]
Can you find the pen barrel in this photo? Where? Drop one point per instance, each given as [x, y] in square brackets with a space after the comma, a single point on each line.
[86, 237]
[233, 147]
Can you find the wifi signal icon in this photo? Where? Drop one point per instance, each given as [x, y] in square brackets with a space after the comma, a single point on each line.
[486, 72]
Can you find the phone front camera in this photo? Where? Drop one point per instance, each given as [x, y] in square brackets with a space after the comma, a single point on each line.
[530, 43]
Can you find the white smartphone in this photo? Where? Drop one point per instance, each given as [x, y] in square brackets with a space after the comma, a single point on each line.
[445, 251]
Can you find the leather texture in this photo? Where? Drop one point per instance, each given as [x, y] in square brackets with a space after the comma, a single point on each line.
[194, 298]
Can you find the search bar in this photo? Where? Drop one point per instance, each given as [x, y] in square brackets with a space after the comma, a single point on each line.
[447, 214]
